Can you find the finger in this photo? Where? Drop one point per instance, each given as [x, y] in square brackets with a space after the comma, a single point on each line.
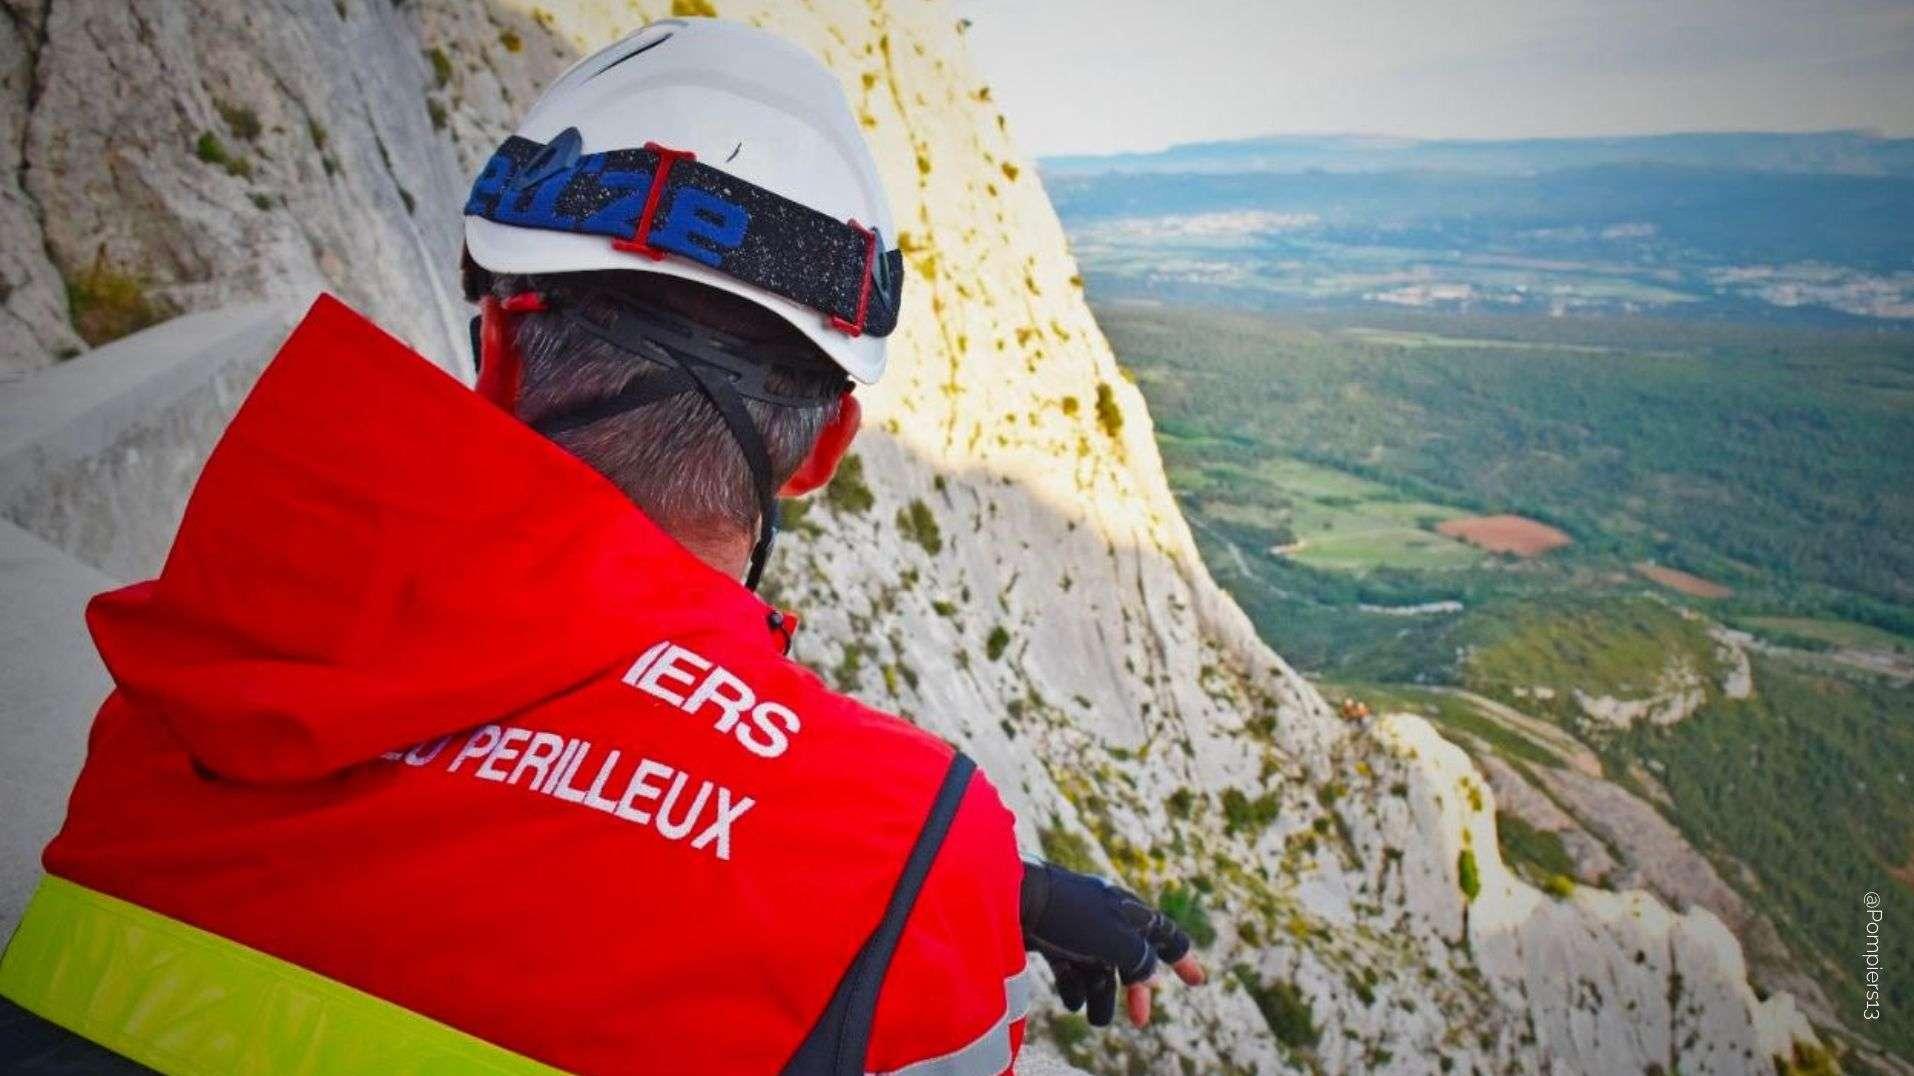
[1144, 967]
[1137, 996]
[1102, 999]
[1070, 987]
[1169, 940]
[1190, 970]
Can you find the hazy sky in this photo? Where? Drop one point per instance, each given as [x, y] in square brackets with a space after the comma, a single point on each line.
[1083, 76]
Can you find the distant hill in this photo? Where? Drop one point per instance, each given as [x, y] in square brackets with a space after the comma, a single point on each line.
[1775, 228]
[1860, 153]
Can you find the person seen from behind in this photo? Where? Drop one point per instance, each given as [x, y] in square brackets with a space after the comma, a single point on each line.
[453, 735]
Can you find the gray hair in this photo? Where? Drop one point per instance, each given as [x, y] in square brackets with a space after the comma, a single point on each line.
[675, 458]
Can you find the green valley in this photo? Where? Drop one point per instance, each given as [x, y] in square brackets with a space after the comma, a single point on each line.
[1699, 685]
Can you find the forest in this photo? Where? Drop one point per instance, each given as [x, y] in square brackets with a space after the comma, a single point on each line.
[1770, 460]
[1323, 458]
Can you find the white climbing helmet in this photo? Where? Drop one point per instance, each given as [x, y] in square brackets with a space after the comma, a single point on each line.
[704, 103]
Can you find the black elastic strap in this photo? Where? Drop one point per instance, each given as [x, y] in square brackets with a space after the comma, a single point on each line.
[663, 337]
[630, 398]
[700, 358]
[841, 1038]
[756, 456]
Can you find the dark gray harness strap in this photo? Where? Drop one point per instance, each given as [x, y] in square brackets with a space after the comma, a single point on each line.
[32, 1044]
[839, 1042]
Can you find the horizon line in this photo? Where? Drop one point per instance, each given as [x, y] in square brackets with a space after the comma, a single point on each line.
[1874, 133]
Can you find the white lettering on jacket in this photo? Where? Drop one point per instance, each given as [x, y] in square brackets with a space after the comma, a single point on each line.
[688, 681]
[640, 791]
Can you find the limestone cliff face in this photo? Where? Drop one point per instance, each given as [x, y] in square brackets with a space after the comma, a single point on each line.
[170, 156]
[1010, 570]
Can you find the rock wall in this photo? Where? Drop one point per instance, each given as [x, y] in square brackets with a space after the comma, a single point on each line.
[173, 156]
[1009, 569]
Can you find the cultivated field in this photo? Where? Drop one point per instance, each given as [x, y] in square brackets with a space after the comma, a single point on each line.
[1506, 534]
[1678, 580]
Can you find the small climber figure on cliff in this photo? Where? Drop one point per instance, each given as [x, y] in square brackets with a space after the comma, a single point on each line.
[449, 739]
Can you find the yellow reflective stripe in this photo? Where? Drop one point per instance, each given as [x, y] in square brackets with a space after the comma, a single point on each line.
[180, 1000]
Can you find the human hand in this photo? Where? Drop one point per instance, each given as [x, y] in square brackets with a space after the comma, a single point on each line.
[1095, 935]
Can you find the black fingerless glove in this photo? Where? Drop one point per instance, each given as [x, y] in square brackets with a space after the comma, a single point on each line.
[1093, 934]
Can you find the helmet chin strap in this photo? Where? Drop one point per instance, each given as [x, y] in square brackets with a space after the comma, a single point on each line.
[745, 432]
[761, 553]
[702, 360]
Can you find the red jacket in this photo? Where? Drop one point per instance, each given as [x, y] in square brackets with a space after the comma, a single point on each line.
[423, 704]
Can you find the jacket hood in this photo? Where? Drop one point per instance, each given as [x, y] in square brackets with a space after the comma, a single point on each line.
[375, 557]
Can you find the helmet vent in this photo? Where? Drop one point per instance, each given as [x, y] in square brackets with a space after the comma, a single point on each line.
[642, 48]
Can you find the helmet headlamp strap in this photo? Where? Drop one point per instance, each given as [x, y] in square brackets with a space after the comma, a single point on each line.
[680, 206]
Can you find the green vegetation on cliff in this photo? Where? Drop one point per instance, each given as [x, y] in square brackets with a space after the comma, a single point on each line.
[1618, 647]
[1811, 784]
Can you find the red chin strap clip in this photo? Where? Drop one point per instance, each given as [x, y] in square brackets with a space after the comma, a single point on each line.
[500, 369]
[640, 243]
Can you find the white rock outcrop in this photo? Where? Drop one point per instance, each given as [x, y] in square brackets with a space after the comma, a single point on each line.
[1677, 693]
[1019, 578]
